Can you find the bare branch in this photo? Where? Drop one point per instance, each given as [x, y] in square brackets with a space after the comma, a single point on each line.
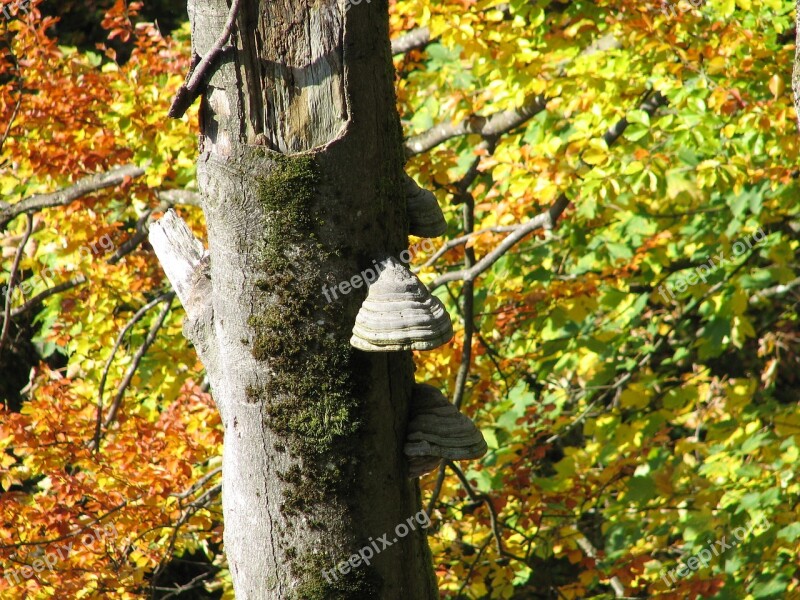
[463, 239]
[69, 535]
[591, 552]
[137, 359]
[467, 302]
[487, 500]
[546, 219]
[502, 122]
[56, 289]
[168, 198]
[11, 120]
[493, 126]
[199, 483]
[777, 290]
[412, 40]
[437, 489]
[175, 197]
[189, 92]
[179, 252]
[66, 195]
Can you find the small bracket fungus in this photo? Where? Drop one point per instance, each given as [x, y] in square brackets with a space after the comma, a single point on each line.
[400, 313]
[425, 218]
[437, 430]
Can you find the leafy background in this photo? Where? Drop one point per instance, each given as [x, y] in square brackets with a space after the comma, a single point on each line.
[629, 427]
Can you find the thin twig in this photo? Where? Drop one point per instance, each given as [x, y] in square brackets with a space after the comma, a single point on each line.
[14, 114]
[18, 76]
[11, 278]
[67, 535]
[474, 564]
[195, 583]
[139, 235]
[151, 336]
[437, 489]
[545, 220]
[487, 500]
[198, 484]
[460, 240]
[191, 509]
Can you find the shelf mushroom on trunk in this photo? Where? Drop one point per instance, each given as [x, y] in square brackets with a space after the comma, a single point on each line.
[400, 313]
[437, 430]
[425, 218]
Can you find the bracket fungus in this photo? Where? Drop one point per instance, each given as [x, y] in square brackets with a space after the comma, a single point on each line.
[425, 218]
[400, 313]
[437, 430]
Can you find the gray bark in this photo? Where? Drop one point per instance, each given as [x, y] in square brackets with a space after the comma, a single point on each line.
[300, 174]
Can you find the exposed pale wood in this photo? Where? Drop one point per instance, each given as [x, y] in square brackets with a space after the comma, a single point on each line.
[178, 251]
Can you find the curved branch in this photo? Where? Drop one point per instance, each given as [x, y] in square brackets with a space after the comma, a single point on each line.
[504, 121]
[189, 91]
[462, 239]
[135, 319]
[546, 219]
[487, 500]
[66, 195]
[489, 127]
[56, 289]
[151, 337]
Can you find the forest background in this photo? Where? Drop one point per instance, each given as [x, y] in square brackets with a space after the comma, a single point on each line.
[635, 369]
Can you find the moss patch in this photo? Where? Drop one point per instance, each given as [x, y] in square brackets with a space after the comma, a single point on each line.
[358, 584]
[309, 396]
[310, 392]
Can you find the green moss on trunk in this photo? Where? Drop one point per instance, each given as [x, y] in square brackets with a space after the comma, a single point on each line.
[310, 390]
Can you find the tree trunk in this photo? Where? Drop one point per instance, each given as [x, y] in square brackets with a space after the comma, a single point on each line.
[300, 173]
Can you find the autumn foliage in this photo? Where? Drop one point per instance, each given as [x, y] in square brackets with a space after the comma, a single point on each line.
[636, 412]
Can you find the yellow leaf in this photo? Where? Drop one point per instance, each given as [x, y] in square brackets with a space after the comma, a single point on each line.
[595, 156]
[776, 85]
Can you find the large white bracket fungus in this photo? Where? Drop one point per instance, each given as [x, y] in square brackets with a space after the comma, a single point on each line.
[400, 313]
